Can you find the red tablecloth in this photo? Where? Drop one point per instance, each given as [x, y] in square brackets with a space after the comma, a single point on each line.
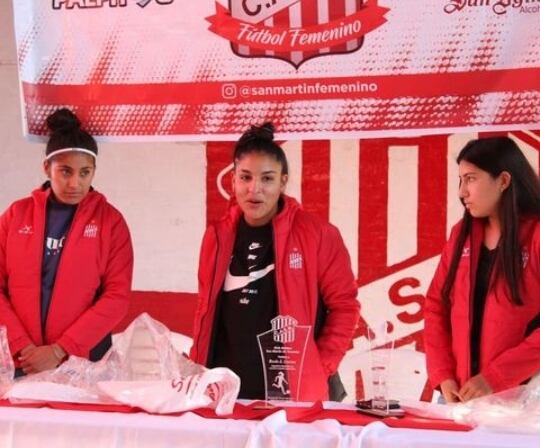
[255, 411]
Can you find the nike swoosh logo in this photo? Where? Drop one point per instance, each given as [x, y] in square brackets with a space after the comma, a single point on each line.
[233, 282]
[254, 246]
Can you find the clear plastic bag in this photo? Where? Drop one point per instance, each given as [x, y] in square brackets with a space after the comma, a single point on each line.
[215, 388]
[7, 369]
[141, 369]
[512, 410]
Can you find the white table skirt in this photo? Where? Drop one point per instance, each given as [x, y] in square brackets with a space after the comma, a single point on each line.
[378, 435]
[43, 427]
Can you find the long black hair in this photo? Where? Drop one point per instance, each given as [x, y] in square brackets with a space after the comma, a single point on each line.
[260, 139]
[522, 197]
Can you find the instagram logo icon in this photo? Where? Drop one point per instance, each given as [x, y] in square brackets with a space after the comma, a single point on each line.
[228, 91]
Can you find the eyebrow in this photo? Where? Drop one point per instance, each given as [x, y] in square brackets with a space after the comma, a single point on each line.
[264, 172]
[71, 168]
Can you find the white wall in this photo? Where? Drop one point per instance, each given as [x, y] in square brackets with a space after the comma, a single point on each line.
[17, 157]
[159, 187]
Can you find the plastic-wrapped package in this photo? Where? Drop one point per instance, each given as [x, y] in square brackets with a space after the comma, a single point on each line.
[216, 388]
[512, 410]
[7, 369]
[142, 369]
[428, 410]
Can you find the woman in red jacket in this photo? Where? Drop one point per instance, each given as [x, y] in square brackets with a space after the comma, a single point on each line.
[266, 258]
[66, 259]
[482, 310]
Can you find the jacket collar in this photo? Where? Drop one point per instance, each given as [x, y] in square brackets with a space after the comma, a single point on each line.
[282, 220]
[526, 226]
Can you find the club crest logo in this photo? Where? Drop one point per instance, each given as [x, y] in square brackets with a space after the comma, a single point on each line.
[295, 259]
[90, 230]
[283, 328]
[296, 30]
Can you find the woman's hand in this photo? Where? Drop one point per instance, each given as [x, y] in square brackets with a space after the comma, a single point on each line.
[450, 391]
[26, 350]
[38, 359]
[477, 386]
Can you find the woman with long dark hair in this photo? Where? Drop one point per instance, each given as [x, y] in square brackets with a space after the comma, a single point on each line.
[482, 310]
[66, 258]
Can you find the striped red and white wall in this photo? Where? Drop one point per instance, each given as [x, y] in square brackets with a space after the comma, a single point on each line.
[394, 201]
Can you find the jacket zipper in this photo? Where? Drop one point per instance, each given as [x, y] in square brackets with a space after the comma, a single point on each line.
[42, 249]
[277, 282]
[205, 316]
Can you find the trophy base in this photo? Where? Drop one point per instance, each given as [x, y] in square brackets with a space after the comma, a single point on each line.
[383, 412]
[262, 405]
[380, 408]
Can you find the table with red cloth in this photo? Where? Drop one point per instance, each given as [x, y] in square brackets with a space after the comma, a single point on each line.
[313, 426]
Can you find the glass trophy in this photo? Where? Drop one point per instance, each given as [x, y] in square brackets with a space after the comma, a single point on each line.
[282, 349]
[380, 359]
[381, 348]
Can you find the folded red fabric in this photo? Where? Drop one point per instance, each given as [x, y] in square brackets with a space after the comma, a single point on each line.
[21, 404]
[413, 422]
[93, 407]
[253, 411]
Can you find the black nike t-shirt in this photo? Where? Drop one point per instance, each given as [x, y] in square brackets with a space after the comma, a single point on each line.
[246, 305]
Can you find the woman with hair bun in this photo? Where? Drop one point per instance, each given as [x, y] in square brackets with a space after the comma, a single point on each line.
[268, 257]
[66, 258]
[482, 310]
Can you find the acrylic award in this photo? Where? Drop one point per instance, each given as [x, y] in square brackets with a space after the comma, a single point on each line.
[283, 349]
[381, 350]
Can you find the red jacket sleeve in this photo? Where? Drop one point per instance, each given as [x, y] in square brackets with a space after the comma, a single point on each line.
[338, 288]
[18, 338]
[112, 305]
[515, 365]
[521, 362]
[207, 262]
[441, 364]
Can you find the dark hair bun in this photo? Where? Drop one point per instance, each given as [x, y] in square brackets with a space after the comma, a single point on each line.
[66, 132]
[63, 120]
[263, 133]
[260, 139]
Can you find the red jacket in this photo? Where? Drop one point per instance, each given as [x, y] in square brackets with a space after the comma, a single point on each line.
[93, 279]
[507, 356]
[325, 271]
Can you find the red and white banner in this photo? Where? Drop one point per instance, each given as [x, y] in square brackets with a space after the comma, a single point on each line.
[206, 69]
